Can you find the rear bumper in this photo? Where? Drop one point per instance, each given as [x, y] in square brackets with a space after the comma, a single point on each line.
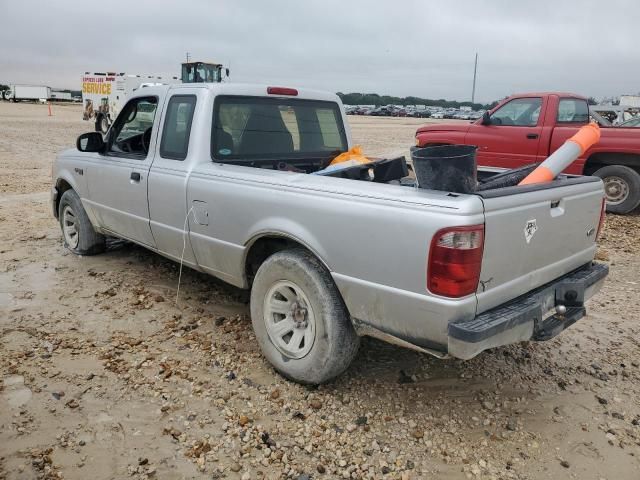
[528, 317]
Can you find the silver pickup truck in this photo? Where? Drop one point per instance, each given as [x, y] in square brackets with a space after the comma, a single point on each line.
[229, 179]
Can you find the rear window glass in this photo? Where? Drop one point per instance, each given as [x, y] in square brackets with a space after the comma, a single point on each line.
[257, 127]
[573, 110]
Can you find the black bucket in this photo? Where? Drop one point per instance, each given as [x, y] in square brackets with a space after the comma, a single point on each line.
[451, 168]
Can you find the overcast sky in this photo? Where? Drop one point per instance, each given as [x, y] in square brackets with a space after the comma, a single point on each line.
[422, 48]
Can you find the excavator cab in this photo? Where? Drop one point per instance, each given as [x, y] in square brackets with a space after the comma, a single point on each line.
[202, 72]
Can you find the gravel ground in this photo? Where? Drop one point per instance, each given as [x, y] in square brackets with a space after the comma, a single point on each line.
[103, 375]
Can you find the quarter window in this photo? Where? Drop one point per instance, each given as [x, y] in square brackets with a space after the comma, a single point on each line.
[520, 112]
[573, 110]
[177, 127]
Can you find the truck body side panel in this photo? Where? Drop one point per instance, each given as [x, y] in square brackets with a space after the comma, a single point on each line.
[373, 238]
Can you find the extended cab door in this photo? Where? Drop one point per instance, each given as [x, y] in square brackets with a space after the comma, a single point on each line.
[117, 180]
[570, 115]
[511, 138]
[175, 153]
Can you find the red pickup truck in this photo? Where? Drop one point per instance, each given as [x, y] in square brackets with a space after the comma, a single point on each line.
[526, 128]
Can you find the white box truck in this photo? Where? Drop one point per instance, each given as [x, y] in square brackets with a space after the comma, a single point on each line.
[105, 93]
[630, 101]
[38, 93]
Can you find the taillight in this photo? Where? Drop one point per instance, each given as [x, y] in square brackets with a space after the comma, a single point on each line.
[455, 260]
[603, 209]
[282, 91]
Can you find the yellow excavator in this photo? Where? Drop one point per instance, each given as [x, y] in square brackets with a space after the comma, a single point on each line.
[203, 72]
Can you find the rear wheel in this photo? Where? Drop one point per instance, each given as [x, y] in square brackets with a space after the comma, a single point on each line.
[301, 323]
[621, 187]
[77, 231]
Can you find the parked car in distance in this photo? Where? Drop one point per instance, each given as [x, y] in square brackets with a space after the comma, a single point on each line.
[631, 123]
[381, 112]
[231, 180]
[419, 114]
[526, 128]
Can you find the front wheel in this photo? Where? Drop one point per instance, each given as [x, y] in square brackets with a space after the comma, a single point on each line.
[300, 320]
[621, 188]
[77, 231]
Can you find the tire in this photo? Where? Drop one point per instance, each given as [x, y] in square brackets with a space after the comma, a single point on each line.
[77, 231]
[507, 179]
[102, 124]
[330, 342]
[622, 188]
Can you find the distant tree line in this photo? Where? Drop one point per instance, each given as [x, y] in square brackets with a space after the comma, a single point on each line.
[375, 99]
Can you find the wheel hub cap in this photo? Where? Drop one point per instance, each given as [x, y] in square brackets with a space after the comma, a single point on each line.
[616, 190]
[299, 315]
[289, 319]
[70, 227]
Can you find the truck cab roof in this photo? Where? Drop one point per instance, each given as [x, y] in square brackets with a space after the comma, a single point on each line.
[243, 89]
[546, 94]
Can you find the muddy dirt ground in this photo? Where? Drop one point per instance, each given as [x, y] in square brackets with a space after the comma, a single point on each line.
[104, 376]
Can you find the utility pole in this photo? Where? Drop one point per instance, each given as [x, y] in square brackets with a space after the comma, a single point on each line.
[475, 70]
[189, 58]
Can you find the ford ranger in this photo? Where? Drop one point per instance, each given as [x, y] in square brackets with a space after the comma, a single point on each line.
[526, 128]
[230, 180]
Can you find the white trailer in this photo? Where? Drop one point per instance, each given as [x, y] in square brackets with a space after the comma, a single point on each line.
[630, 101]
[36, 93]
[60, 96]
[104, 94]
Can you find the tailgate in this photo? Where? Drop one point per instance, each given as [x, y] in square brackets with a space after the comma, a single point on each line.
[536, 234]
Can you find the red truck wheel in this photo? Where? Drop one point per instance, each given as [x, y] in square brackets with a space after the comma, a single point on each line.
[621, 187]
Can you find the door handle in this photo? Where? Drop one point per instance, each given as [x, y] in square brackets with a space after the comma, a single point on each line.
[135, 176]
[532, 136]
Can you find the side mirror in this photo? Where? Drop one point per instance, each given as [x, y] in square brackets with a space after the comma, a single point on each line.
[90, 142]
[486, 118]
[226, 71]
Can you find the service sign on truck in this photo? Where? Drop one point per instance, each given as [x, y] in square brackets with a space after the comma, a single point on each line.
[99, 85]
[97, 97]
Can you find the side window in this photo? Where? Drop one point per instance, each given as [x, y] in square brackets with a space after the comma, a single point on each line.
[177, 127]
[573, 110]
[520, 112]
[131, 133]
